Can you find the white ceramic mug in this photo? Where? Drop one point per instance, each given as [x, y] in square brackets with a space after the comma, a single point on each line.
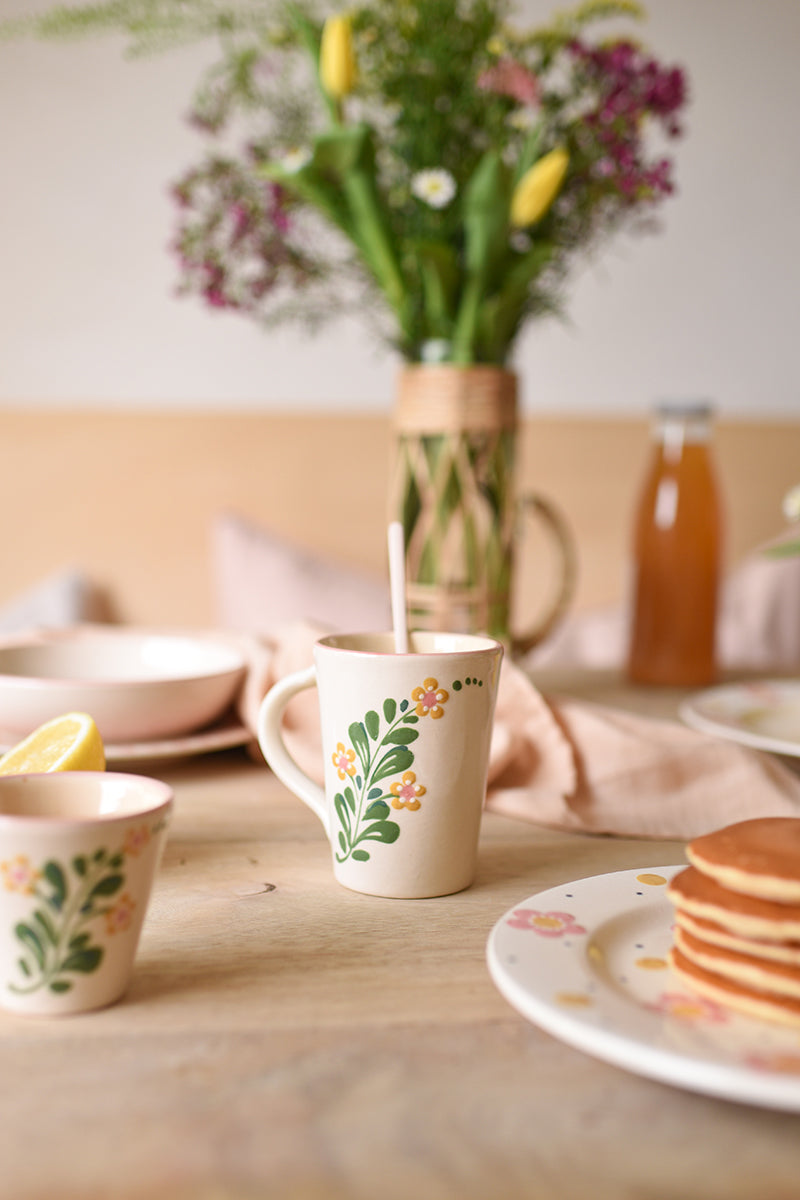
[405, 741]
[78, 853]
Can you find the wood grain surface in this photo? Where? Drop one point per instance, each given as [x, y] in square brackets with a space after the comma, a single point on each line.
[285, 1039]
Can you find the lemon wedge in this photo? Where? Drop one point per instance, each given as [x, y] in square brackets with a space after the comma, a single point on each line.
[71, 742]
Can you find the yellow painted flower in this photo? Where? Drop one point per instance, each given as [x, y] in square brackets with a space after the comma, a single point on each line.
[337, 62]
[119, 918]
[538, 188]
[405, 793]
[429, 699]
[19, 875]
[344, 760]
[136, 840]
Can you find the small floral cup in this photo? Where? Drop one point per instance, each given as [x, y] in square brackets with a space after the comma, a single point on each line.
[405, 745]
[78, 854]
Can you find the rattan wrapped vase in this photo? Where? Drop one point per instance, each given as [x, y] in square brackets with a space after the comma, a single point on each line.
[456, 437]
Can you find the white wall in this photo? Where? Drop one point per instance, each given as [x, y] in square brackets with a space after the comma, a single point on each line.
[89, 144]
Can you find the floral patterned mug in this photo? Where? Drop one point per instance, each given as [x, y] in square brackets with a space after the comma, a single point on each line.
[405, 741]
[78, 853]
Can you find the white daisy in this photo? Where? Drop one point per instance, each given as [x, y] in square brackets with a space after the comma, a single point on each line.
[296, 158]
[435, 187]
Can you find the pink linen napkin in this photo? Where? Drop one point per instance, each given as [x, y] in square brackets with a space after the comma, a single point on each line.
[566, 763]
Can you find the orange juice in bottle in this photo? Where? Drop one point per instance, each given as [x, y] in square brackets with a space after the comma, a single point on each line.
[677, 554]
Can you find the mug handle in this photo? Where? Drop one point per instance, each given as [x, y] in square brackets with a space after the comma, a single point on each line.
[564, 543]
[270, 739]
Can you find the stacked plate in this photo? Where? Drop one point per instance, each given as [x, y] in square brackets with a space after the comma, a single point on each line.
[151, 694]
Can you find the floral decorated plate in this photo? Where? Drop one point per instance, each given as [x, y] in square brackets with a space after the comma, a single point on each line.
[764, 714]
[587, 962]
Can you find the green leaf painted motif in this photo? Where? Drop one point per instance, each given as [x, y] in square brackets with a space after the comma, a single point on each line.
[358, 737]
[86, 960]
[107, 886]
[373, 724]
[55, 877]
[342, 811]
[402, 737]
[382, 742]
[398, 759]
[45, 926]
[30, 941]
[381, 831]
[58, 937]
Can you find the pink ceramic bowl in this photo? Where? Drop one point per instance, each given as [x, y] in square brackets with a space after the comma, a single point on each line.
[138, 686]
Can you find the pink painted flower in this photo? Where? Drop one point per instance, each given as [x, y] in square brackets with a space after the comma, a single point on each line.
[344, 760]
[19, 875]
[119, 917]
[429, 699]
[785, 1061]
[510, 78]
[547, 924]
[136, 840]
[689, 1007]
[405, 793]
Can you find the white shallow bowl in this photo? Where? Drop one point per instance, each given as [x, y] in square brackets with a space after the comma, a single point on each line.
[138, 686]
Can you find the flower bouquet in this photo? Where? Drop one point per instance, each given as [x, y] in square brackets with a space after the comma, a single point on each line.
[425, 163]
[437, 169]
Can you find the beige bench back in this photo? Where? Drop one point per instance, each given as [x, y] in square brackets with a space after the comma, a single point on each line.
[130, 497]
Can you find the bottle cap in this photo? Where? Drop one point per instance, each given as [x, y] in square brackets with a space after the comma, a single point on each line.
[684, 410]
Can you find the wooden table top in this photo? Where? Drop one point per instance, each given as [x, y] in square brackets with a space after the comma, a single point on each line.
[287, 1039]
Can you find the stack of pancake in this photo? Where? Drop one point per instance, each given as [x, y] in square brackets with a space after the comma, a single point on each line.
[737, 914]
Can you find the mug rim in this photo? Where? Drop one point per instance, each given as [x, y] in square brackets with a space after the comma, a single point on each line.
[357, 643]
[157, 796]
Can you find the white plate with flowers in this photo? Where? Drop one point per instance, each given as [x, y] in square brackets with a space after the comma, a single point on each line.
[587, 963]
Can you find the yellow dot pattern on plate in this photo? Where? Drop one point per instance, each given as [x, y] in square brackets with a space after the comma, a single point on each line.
[651, 964]
[574, 999]
[543, 922]
[651, 880]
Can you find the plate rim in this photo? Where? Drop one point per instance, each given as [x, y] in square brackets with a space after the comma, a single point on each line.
[689, 714]
[719, 1079]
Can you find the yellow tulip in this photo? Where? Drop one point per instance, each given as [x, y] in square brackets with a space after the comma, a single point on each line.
[538, 188]
[337, 63]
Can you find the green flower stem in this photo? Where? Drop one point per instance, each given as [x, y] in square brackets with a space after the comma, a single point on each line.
[371, 236]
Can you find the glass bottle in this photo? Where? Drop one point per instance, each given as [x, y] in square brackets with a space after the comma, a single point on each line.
[677, 554]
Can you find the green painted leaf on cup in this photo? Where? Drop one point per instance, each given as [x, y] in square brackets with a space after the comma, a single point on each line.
[395, 761]
[401, 737]
[55, 877]
[85, 960]
[389, 710]
[358, 736]
[107, 886]
[381, 831]
[342, 811]
[377, 810]
[30, 939]
[373, 724]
